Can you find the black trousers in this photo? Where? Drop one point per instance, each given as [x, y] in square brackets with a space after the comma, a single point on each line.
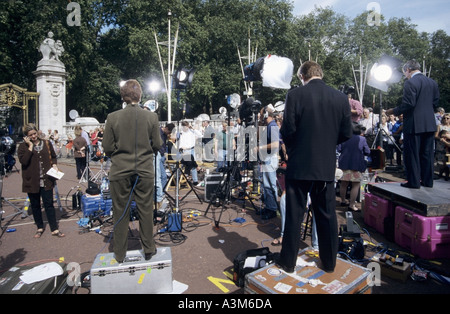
[47, 201]
[323, 201]
[418, 152]
[80, 163]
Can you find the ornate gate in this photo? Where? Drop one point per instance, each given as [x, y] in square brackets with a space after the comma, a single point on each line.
[13, 96]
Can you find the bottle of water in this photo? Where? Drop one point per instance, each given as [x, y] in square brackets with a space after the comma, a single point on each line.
[364, 181]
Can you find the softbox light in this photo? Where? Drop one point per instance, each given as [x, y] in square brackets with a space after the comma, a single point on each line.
[274, 71]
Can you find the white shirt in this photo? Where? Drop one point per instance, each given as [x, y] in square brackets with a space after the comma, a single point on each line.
[187, 139]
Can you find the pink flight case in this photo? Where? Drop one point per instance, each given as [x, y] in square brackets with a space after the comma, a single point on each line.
[426, 237]
[376, 210]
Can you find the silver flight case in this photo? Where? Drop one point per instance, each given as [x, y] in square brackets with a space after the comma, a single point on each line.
[135, 275]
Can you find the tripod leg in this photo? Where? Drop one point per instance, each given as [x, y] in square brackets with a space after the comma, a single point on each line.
[191, 190]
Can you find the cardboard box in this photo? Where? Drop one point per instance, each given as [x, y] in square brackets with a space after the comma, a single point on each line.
[347, 278]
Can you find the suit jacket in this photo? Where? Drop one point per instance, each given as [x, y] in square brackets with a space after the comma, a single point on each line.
[316, 119]
[420, 98]
[130, 138]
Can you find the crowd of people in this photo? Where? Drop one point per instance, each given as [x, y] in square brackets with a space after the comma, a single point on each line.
[312, 137]
[389, 128]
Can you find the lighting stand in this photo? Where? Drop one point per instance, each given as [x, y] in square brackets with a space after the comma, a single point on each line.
[86, 170]
[178, 172]
[98, 177]
[223, 191]
[381, 130]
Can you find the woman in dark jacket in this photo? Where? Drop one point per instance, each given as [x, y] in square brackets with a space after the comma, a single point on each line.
[352, 163]
[37, 156]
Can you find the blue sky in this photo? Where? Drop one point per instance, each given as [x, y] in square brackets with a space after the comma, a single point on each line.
[429, 15]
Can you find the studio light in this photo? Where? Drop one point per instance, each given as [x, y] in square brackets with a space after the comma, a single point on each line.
[183, 78]
[151, 105]
[384, 73]
[272, 70]
[154, 87]
[234, 100]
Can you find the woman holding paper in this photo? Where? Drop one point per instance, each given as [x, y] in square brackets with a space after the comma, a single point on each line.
[37, 157]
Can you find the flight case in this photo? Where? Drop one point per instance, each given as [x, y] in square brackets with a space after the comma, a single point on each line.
[347, 278]
[135, 275]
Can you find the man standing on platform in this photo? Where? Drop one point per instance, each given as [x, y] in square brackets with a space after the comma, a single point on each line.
[420, 99]
[131, 138]
[316, 119]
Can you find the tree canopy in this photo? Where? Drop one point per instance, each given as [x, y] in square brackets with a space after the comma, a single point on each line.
[116, 41]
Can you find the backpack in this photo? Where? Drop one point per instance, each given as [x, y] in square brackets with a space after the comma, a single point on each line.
[240, 269]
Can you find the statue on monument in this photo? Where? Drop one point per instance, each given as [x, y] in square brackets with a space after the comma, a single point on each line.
[50, 49]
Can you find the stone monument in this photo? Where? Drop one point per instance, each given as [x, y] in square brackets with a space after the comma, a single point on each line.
[51, 85]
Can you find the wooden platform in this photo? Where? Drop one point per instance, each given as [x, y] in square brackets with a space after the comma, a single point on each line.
[428, 202]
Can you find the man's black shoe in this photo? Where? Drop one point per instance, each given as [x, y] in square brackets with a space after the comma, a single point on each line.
[276, 258]
[148, 256]
[407, 185]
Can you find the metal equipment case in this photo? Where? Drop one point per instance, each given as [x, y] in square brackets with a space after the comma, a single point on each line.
[347, 278]
[212, 181]
[135, 275]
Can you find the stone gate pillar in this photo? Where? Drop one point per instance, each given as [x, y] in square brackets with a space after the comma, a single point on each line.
[51, 85]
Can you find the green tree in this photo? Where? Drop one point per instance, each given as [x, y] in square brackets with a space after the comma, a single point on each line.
[116, 41]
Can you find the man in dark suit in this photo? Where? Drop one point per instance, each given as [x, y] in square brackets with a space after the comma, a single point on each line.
[131, 138]
[316, 119]
[420, 99]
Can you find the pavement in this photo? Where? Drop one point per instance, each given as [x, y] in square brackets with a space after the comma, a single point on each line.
[202, 253]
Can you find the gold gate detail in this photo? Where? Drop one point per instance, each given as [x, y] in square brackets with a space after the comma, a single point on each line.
[14, 96]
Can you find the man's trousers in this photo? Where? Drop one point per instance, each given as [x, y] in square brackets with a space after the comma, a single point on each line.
[418, 152]
[122, 193]
[323, 202]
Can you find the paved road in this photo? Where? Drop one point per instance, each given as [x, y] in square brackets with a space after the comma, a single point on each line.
[202, 254]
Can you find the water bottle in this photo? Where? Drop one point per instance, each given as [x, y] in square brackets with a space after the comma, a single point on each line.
[364, 181]
[11, 230]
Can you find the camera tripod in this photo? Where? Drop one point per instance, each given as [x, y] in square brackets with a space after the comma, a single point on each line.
[177, 172]
[381, 130]
[222, 195]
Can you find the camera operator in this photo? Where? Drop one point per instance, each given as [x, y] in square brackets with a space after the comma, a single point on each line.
[131, 138]
[165, 134]
[224, 146]
[187, 145]
[268, 152]
[159, 162]
[208, 140]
